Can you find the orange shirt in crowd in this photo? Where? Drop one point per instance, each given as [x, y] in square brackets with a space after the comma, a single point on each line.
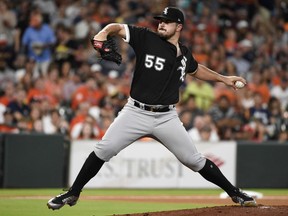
[276, 80]
[262, 89]
[5, 100]
[8, 129]
[226, 92]
[201, 57]
[39, 94]
[230, 45]
[83, 93]
[54, 90]
[77, 119]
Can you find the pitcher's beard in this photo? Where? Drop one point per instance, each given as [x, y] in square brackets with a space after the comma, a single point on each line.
[164, 36]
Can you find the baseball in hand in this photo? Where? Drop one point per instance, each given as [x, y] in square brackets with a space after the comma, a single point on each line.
[239, 84]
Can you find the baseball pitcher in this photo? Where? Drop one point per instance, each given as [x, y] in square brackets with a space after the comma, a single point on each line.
[162, 64]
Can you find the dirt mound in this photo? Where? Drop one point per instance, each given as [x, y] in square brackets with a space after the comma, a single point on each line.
[261, 210]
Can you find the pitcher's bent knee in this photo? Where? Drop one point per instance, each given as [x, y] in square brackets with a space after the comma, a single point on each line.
[195, 162]
[104, 151]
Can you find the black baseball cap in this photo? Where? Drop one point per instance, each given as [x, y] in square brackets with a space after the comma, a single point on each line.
[173, 14]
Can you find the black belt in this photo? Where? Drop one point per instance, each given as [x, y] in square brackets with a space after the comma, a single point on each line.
[152, 108]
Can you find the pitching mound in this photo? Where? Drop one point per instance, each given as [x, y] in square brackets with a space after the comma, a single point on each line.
[261, 210]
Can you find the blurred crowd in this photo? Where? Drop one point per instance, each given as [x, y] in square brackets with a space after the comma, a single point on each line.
[51, 80]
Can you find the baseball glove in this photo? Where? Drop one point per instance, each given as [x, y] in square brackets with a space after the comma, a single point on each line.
[107, 49]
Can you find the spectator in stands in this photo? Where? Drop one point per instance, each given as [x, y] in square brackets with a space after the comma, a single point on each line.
[8, 126]
[256, 131]
[203, 130]
[66, 71]
[62, 16]
[281, 92]
[19, 106]
[113, 85]
[27, 82]
[186, 119]
[245, 98]
[225, 118]
[229, 69]
[2, 110]
[37, 126]
[48, 8]
[118, 100]
[8, 90]
[87, 129]
[273, 75]
[259, 85]
[258, 119]
[203, 92]
[69, 87]
[247, 48]
[259, 111]
[206, 134]
[216, 59]
[38, 91]
[8, 23]
[199, 51]
[52, 83]
[80, 114]
[230, 41]
[65, 46]
[47, 110]
[19, 67]
[89, 92]
[84, 71]
[222, 90]
[276, 118]
[23, 11]
[283, 136]
[190, 105]
[242, 65]
[7, 57]
[242, 28]
[110, 105]
[35, 115]
[104, 124]
[56, 123]
[37, 42]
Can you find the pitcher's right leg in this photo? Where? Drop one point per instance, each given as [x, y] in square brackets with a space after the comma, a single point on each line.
[126, 128]
[89, 169]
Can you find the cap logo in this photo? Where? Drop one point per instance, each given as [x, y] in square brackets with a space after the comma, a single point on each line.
[165, 11]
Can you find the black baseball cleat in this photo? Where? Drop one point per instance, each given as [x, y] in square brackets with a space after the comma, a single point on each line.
[243, 199]
[70, 198]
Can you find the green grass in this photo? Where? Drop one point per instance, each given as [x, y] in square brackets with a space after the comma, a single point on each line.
[12, 204]
[84, 207]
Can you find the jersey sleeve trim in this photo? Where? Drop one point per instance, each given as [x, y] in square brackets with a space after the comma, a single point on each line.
[127, 33]
[193, 72]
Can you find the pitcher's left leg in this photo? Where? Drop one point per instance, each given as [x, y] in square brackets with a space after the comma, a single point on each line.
[174, 136]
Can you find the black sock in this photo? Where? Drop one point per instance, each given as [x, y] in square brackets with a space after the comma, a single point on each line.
[89, 169]
[213, 174]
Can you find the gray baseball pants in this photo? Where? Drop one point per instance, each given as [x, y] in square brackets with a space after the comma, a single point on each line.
[133, 123]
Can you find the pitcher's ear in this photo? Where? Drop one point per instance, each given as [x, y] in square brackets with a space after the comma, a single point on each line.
[179, 26]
